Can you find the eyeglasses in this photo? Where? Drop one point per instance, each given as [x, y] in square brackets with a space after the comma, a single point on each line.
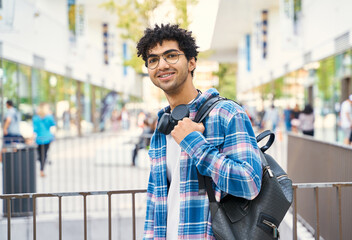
[170, 56]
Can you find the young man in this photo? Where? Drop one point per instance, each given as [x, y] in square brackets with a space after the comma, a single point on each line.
[224, 148]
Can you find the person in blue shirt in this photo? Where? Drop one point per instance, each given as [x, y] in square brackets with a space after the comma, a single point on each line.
[224, 148]
[288, 118]
[42, 122]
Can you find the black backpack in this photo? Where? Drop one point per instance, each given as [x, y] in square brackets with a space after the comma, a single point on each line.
[257, 219]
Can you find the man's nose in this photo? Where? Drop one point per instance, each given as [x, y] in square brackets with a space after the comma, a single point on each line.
[163, 63]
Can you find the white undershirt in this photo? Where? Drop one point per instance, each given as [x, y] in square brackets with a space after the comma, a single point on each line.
[173, 153]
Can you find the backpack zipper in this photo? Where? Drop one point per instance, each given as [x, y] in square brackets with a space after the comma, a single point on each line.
[274, 227]
[284, 175]
[267, 169]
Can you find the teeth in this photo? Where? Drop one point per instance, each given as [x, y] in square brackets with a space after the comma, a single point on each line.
[166, 75]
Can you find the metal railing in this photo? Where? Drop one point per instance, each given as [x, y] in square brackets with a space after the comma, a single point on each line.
[9, 197]
[103, 162]
[96, 162]
[310, 160]
[316, 187]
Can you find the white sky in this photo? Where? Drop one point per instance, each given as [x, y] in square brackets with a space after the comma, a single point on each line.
[202, 16]
[204, 21]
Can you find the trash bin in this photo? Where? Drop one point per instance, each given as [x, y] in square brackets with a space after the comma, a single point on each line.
[19, 176]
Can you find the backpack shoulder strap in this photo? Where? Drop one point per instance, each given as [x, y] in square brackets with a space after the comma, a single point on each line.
[205, 109]
[203, 181]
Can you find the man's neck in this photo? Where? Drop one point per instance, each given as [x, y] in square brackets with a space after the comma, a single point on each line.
[183, 97]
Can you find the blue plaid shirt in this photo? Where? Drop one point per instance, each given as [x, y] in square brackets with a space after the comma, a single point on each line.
[227, 151]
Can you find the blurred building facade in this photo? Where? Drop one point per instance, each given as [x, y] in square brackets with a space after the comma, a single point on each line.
[67, 53]
[289, 52]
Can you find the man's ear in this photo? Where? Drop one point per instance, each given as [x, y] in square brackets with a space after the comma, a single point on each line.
[192, 64]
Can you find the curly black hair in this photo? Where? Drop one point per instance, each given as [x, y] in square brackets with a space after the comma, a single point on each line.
[153, 36]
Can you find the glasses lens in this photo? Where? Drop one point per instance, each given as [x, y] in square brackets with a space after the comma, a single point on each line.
[153, 62]
[171, 57]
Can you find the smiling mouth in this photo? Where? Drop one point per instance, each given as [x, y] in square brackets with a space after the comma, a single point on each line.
[165, 75]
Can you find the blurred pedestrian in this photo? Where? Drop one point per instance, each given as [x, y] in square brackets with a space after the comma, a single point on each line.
[140, 119]
[42, 123]
[66, 120]
[144, 138]
[125, 118]
[260, 117]
[221, 147]
[295, 121]
[272, 116]
[306, 120]
[288, 118]
[346, 119]
[114, 120]
[11, 127]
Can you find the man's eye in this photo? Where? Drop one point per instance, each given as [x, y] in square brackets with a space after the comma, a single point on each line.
[152, 60]
[171, 55]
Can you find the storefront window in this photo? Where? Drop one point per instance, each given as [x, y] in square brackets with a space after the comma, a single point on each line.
[71, 95]
[62, 106]
[25, 92]
[98, 106]
[25, 105]
[10, 82]
[40, 86]
[86, 107]
[1, 90]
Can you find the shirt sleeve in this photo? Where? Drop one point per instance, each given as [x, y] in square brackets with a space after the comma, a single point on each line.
[149, 220]
[35, 124]
[52, 121]
[237, 168]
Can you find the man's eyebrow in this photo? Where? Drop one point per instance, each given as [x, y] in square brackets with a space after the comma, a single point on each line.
[167, 51]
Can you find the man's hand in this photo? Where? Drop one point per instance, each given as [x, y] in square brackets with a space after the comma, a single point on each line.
[5, 132]
[185, 127]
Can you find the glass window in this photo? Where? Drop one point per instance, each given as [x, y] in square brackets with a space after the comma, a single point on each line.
[98, 107]
[87, 125]
[10, 81]
[1, 90]
[71, 96]
[25, 92]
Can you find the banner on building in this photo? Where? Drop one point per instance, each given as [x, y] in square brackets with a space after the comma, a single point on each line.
[265, 33]
[106, 43]
[125, 57]
[71, 13]
[248, 52]
[290, 11]
[80, 20]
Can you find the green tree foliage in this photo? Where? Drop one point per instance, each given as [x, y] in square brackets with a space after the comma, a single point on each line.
[134, 16]
[227, 80]
[181, 7]
[326, 77]
[10, 83]
[279, 88]
[274, 88]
